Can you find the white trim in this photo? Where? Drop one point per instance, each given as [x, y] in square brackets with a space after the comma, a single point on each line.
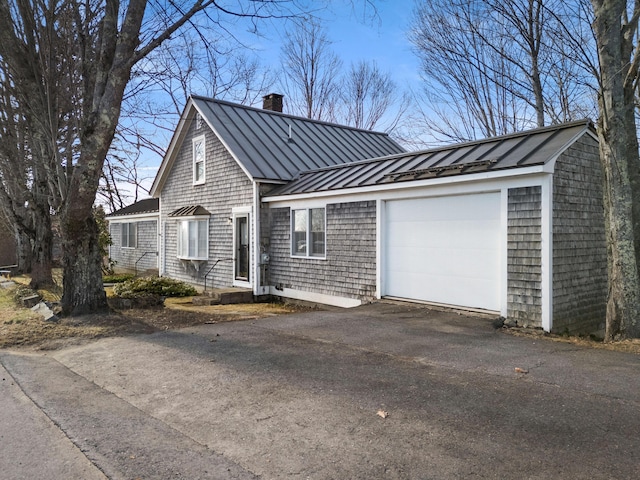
[504, 251]
[240, 212]
[256, 263]
[411, 190]
[162, 268]
[308, 232]
[390, 188]
[181, 220]
[194, 140]
[546, 207]
[133, 217]
[380, 262]
[316, 297]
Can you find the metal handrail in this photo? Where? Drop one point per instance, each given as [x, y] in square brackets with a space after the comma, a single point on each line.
[135, 265]
[214, 266]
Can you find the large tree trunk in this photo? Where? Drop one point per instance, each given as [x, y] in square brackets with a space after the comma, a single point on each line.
[42, 251]
[83, 290]
[82, 283]
[617, 154]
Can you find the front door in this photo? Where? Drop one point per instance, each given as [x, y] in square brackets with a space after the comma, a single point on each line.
[242, 248]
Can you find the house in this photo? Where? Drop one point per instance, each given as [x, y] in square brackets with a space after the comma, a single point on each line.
[134, 237]
[315, 211]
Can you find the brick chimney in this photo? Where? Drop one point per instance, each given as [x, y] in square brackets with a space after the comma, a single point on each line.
[272, 102]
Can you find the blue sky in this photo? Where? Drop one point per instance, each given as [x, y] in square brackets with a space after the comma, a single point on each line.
[355, 37]
[383, 39]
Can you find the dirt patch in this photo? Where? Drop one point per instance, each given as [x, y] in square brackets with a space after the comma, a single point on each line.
[21, 328]
[626, 346]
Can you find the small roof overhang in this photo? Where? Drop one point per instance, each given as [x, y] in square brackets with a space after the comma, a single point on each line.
[190, 211]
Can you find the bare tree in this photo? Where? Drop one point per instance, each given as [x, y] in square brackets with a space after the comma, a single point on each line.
[616, 29]
[497, 66]
[310, 71]
[83, 54]
[368, 95]
[24, 196]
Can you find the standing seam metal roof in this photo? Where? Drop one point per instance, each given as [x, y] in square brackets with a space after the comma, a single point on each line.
[148, 205]
[259, 139]
[533, 147]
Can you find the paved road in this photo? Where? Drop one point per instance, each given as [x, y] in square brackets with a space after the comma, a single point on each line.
[297, 396]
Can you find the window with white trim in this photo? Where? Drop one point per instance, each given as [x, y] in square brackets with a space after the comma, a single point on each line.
[193, 239]
[128, 238]
[199, 160]
[308, 232]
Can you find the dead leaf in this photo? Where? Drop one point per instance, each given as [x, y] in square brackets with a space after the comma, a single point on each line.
[382, 413]
[521, 370]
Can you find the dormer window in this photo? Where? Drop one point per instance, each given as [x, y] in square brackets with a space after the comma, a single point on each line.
[199, 160]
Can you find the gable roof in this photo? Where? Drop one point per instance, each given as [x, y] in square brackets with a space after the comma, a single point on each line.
[275, 147]
[524, 149]
[148, 205]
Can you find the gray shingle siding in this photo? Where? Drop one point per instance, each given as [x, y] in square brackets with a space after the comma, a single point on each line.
[524, 259]
[147, 241]
[579, 244]
[226, 186]
[349, 269]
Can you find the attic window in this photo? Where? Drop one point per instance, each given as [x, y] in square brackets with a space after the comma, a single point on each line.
[199, 158]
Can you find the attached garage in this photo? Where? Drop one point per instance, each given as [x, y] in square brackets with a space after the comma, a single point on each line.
[444, 250]
[512, 225]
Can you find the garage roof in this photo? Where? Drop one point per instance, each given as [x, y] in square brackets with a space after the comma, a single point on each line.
[533, 147]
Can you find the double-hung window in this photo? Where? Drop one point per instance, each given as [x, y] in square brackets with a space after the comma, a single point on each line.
[308, 232]
[128, 235]
[193, 239]
[199, 160]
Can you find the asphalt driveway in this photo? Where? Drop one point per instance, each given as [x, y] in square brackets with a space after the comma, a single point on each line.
[298, 396]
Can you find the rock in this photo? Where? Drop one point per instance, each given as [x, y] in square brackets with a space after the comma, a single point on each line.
[42, 309]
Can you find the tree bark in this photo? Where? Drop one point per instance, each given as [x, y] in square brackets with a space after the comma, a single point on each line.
[83, 290]
[616, 155]
[42, 251]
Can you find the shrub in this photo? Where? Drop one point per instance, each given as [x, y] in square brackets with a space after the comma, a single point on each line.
[163, 286]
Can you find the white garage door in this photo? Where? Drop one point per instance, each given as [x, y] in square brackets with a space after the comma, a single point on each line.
[444, 250]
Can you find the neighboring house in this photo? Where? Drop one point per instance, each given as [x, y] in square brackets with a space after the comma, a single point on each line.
[134, 237]
[314, 211]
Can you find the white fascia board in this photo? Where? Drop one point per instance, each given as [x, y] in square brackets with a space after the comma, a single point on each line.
[473, 183]
[133, 217]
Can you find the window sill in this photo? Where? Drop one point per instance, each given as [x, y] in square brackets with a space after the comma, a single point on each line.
[309, 257]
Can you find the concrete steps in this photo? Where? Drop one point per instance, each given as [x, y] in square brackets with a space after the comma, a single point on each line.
[224, 296]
